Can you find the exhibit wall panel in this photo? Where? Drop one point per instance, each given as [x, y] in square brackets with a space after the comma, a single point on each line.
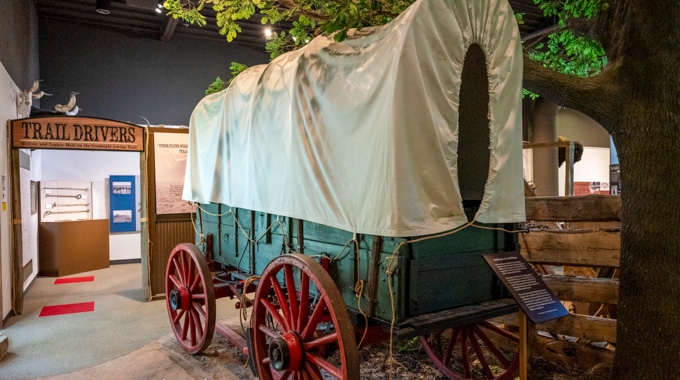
[96, 167]
[8, 92]
[30, 217]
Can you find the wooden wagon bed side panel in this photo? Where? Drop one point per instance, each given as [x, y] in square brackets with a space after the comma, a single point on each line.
[589, 208]
[572, 247]
[583, 289]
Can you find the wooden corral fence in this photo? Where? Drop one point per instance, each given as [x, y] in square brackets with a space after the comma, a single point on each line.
[575, 244]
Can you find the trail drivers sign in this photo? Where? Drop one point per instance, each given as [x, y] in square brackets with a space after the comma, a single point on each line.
[73, 132]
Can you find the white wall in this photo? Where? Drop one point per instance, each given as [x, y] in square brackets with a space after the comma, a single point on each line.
[30, 224]
[593, 167]
[8, 91]
[94, 166]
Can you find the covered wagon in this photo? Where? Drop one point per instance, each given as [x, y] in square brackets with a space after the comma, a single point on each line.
[353, 187]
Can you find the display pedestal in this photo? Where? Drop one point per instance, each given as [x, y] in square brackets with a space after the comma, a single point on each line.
[73, 247]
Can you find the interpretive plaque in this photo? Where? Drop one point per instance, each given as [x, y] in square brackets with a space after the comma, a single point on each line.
[528, 289]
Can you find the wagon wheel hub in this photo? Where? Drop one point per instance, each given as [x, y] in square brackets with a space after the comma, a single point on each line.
[180, 299]
[286, 353]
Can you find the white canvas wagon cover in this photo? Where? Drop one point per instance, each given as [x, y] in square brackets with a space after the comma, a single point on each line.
[362, 135]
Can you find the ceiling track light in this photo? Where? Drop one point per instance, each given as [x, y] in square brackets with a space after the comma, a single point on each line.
[104, 7]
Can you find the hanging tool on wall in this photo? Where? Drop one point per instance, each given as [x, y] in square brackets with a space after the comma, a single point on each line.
[55, 204]
[66, 188]
[64, 212]
[78, 196]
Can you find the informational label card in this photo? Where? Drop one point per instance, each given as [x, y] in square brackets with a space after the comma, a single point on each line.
[527, 287]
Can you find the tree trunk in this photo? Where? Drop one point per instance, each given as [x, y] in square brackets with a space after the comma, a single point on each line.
[649, 308]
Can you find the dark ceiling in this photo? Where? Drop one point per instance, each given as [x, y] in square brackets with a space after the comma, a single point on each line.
[139, 18]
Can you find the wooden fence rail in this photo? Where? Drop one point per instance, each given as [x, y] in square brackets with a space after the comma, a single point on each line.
[598, 248]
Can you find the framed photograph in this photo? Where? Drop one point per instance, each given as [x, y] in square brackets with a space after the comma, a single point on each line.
[122, 216]
[122, 187]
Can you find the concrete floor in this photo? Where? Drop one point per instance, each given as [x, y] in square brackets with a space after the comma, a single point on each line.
[120, 324]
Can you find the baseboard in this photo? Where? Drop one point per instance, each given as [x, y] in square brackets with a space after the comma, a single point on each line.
[29, 285]
[158, 297]
[4, 321]
[126, 261]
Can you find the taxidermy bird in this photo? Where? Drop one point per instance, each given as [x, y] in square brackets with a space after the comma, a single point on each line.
[25, 99]
[68, 107]
[74, 111]
[40, 95]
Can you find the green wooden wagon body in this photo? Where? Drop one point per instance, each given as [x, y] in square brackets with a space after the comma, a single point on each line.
[432, 279]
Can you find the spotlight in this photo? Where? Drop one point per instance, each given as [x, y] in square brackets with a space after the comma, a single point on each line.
[104, 7]
[158, 10]
[268, 32]
[160, 5]
[307, 41]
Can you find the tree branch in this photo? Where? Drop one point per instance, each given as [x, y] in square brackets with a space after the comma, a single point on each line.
[595, 96]
[314, 15]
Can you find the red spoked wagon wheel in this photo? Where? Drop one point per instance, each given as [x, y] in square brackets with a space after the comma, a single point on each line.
[190, 297]
[471, 344]
[287, 340]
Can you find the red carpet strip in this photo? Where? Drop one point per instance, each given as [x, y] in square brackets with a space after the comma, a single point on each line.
[67, 309]
[73, 279]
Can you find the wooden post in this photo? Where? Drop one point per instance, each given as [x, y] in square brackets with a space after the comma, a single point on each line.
[569, 170]
[147, 294]
[17, 249]
[523, 346]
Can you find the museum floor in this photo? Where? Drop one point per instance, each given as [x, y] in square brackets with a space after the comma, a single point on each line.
[119, 324]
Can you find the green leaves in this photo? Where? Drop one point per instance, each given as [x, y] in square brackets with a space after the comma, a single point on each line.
[563, 51]
[216, 86]
[219, 85]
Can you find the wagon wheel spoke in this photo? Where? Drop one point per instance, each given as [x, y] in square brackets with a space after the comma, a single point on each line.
[178, 316]
[280, 375]
[326, 366]
[505, 333]
[192, 329]
[492, 347]
[195, 283]
[304, 301]
[480, 354]
[178, 270]
[185, 327]
[464, 352]
[292, 295]
[274, 313]
[313, 371]
[175, 281]
[199, 309]
[190, 272]
[324, 340]
[450, 346]
[283, 305]
[269, 332]
[314, 319]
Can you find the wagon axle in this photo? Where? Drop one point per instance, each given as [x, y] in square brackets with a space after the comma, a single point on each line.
[286, 353]
[180, 299]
